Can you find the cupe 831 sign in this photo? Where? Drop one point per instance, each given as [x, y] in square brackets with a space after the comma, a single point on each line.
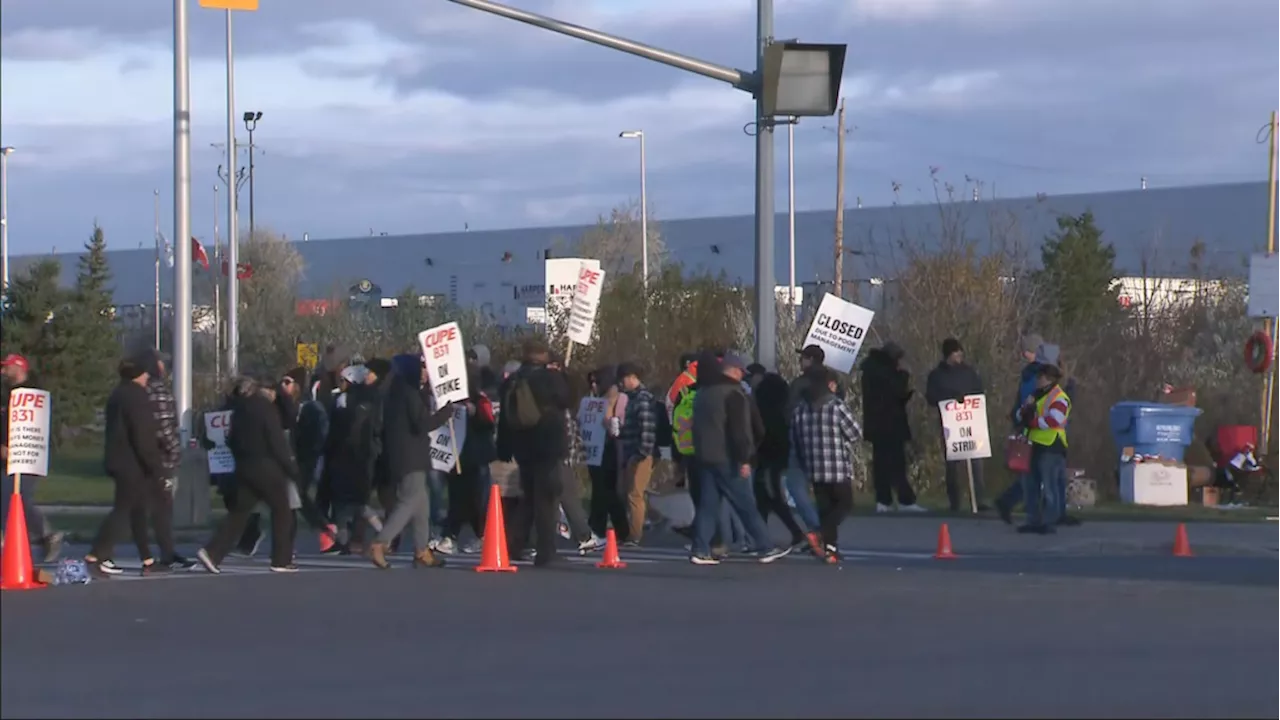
[964, 428]
[28, 441]
[446, 361]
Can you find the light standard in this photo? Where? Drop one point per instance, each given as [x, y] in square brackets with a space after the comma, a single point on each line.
[644, 208]
[5, 152]
[251, 123]
[791, 212]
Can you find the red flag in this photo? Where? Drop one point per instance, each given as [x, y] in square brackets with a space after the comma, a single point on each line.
[198, 254]
[244, 270]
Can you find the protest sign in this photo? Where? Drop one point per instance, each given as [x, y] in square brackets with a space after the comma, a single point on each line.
[216, 425]
[586, 301]
[447, 441]
[839, 329]
[964, 428]
[446, 361]
[28, 441]
[591, 429]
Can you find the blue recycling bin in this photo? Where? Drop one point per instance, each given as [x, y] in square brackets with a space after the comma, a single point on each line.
[1153, 429]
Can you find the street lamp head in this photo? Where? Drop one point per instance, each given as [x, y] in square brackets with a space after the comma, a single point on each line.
[631, 134]
[251, 119]
[6, 150]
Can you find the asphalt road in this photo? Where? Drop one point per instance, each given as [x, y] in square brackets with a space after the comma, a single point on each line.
[890, 634]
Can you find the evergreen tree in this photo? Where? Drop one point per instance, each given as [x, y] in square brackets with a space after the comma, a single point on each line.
[34, 298]
[1078, 274]
[87, 330]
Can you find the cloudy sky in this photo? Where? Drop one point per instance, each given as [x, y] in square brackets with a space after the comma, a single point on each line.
[404, 116]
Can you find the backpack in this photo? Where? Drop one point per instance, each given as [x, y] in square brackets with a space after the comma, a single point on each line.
[682, 422]
[521, 406]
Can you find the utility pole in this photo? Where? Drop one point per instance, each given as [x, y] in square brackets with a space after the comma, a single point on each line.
[839, 274]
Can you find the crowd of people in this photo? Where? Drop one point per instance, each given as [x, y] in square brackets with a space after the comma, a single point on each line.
[347, 451]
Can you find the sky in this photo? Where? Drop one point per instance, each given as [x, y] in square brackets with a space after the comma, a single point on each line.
[413, 116]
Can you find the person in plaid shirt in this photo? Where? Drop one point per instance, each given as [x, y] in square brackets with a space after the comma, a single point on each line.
[639, 446]
[160, 500]
[822, 433]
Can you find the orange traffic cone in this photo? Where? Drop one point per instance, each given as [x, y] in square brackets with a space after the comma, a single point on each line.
[328, 538]
[1181, 545]
[494, 558]
[17, 573]
[611, 561]
[944, 544]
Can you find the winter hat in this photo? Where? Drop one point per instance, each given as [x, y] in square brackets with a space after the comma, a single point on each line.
[629, 368]
[949, 346]
[893, 350]
[479, 353]
[1048, 354]
[1031, 343]
[354, 374]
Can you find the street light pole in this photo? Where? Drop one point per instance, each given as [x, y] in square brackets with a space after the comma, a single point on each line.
[5, 152]
[791, 213]
[251, 119]
[644, 207]
[233, 240]
[181, 328]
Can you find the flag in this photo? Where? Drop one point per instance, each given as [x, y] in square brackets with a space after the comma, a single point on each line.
[244, 271]
[162, 242]
[198, 254]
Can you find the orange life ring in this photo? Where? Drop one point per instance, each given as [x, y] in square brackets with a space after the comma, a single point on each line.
[1258, 351]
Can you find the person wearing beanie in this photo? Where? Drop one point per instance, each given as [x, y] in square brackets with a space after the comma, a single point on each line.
[134, 461]
[954, 379]
[306, 425]
[160, 496]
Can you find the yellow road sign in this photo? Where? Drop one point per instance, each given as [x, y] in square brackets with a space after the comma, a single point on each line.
[308, 355]
[230, 4]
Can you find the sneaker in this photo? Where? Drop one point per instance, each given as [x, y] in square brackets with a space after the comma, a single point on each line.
[52, 545]
[882, 508]
[832, 555]
[592, 544]
[290, 568]
[180, 563]
[563, 529]
[720, 551]
[336, 549]
[798, 544]
[912, 508]
[433, 543]
[767, 556]
[704, 560]
[252, 550]
[106, 567]
[475, 547]
[207, 561]
[1068, 521]
[631, 544]
[814, 543]
[155, 568]
[446, 546]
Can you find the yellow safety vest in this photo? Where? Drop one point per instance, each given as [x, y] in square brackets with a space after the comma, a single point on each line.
[1039, 436]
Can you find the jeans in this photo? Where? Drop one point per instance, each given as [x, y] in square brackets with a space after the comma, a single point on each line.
[1047, 468]
[575, 514]
[37, 529]
[1015, 493]
[413, 506]
[436, 491]
[771, 498]
[798, 487]
[724, 482]
[723, 532]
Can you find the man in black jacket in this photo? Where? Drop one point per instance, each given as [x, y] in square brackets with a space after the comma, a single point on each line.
[407, 421]
[954, 379]
[160, 496]
[133, 459]
[886, 390]
[538, 449]
[17, 374]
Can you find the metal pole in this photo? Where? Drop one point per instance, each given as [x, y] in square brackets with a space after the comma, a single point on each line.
[766, 310]
[251, 225]
[181, 219]
[791, 213]
[4, 217]
[644, 216]
[217, 297]
[1269, 325]
[156, 194]
[233, 240]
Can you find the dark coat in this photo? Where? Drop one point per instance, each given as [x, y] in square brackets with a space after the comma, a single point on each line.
[257, 440]
[886, 390]
[548, 441]
[951, 382]
[406, 422]
[351, 449]
[131, 447]
[480, 447]
[772, 396]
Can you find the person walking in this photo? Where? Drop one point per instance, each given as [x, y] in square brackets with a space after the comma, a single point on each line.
[771, 397]
[16, 373]
[350, 454]
[724, 446]
[607, 508]
[638, 446]
[469, 489]
[406, 425]
[532, 432]
[823, 432]
[160, 496]
[132, 457]
[265, 468]
[886, 390]
[954, 379]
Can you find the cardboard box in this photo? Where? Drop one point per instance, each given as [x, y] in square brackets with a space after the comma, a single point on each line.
[1152, 483]
[1199, 476]
[1180, 396]
[1210, 497]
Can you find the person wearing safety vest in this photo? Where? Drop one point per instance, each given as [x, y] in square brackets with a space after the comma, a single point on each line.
[1044, 415]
